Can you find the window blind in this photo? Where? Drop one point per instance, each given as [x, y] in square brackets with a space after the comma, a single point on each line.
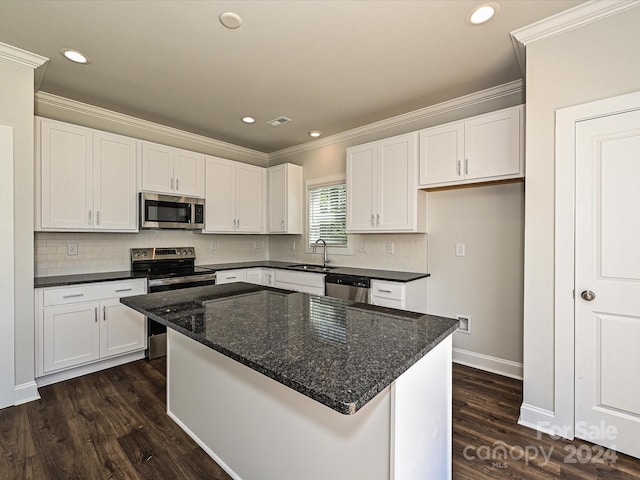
[328, 214]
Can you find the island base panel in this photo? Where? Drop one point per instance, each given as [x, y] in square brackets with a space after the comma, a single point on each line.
[257, 428]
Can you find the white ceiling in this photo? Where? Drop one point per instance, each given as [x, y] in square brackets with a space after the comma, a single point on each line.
[328, 65]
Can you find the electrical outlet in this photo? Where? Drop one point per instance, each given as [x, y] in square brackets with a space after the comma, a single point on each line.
[293, 245]
[390, 247]
[460, 249]
[72, 248]
[362, 246]
[465, 324]
[214, 245]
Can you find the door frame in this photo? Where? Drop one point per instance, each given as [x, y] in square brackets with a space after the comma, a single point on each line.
[7, 281]
[564, 263]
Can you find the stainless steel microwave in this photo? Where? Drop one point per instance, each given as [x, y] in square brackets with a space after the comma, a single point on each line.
[167, 211]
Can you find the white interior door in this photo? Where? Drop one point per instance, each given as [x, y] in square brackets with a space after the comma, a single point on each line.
[607, 282]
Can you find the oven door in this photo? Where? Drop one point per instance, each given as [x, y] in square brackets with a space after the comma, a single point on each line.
[157, 344]
[165, 211]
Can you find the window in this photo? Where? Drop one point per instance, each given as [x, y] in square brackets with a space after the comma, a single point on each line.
[328, 214]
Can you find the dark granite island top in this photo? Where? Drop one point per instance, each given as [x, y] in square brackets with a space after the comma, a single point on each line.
[339, 353]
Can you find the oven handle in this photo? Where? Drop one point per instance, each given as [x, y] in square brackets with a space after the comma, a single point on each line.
[207, 277]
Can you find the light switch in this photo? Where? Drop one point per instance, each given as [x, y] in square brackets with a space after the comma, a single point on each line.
[460, 249]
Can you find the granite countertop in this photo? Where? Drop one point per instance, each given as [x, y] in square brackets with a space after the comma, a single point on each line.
[62, 280]
[339, 353]
[373, 274]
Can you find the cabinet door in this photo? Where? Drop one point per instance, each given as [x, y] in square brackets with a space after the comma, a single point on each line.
[157, 168]
[220, 194]
[71, 335]
[249, 198]
[442, 154]
[122, 329]
[66, 176]
[254, 275]
[277, 182]
[361, 162]
[268, 278]
[396, 185]
[188, 172]
[114, 161]
[492, 145]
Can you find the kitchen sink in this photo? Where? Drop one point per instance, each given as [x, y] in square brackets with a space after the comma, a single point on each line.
[314, 268]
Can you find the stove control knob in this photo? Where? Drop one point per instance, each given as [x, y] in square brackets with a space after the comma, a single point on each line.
[144, 253]
[190, 252]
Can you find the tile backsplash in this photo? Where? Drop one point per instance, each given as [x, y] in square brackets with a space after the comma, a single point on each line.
[106, 252]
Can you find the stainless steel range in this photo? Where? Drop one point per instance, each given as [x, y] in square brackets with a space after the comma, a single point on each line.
[167, 269]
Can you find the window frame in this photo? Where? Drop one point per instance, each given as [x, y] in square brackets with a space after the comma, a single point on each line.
[319, 182]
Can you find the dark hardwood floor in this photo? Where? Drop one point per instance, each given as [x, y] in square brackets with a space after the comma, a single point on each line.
[113, 425]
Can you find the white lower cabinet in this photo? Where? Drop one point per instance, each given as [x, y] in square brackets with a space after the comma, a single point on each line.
[231, 276]
[401, 295]
[80, 324]
[304, 282]
[258, 276]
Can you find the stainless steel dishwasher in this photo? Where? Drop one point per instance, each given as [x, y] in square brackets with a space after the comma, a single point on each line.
[348, 287]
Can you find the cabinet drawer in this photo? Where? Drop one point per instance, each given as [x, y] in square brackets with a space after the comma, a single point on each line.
[231, 276]
[90, 292]
[295, 287]
[390, 290]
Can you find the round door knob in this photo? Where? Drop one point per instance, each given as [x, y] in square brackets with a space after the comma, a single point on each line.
[588, 295]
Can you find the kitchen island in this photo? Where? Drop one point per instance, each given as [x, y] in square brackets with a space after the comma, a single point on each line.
[279, 384]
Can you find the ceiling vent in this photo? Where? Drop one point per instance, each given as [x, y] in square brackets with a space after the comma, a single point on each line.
[276, 122]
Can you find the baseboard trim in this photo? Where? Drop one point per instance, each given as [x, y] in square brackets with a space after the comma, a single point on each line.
[543, 421]
[204, 447]
[26, 392]
[500, 366]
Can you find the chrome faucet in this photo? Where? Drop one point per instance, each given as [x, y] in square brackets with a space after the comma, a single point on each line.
[315, 247]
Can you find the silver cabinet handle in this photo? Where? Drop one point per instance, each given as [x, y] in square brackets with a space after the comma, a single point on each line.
[124, 289]
[89, 217]
[588, 295]
[177, 184]
[384, 291]
[282, 225]
[238, 224]
[234, 223]
[104, 313]
[466, 166]
[98, 217]
[459, 168]
[95, 314]
[378, 220]
[73, 295]
[373, 220]
[231, 278]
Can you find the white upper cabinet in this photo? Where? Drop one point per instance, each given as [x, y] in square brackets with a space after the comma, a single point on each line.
[285, 204]
[480, 149]
[86, 179]
[172, 170]
[235, 197]
[382, 193]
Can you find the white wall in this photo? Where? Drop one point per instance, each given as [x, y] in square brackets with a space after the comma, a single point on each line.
[592, 62]
[487, 283]
[16, 110]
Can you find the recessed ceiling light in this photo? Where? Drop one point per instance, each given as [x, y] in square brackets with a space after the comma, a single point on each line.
[315, 133]
[483, 13]
[230, 20]
[248, 119]
[74, 55]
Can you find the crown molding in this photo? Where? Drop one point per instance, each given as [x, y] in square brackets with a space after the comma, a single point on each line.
[28, 59]
[575, 17]
[44, 98]
[515, 87]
